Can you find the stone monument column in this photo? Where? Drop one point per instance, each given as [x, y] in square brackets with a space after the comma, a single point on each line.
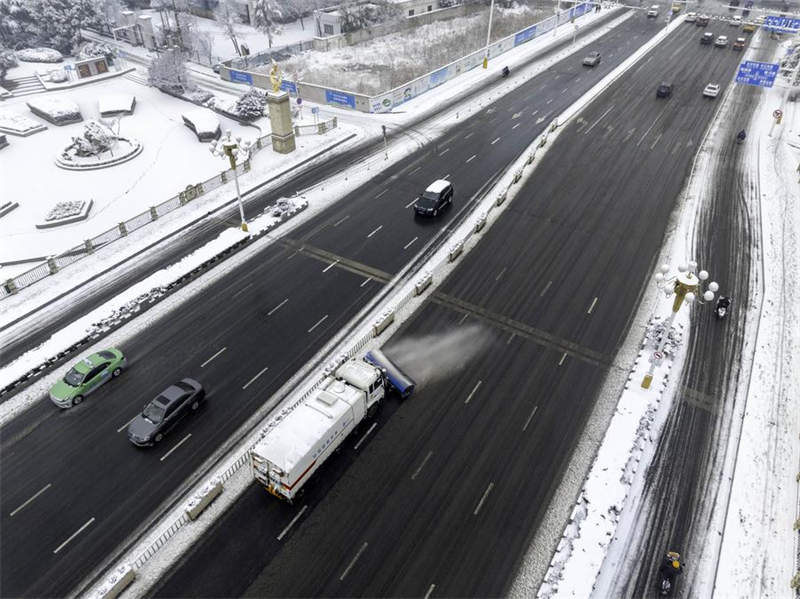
[148, 37]
[280, 118]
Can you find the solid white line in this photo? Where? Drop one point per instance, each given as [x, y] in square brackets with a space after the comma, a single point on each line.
[473, 392]
[415, 170]
[79, 531]
[412, 203]
[330, 266]
[32, 498]
[381, 193]
[295, 519]
[495, 141]
[255, 377]
[124, 426]
[485, 495]
[517, 125]
[445, 152]
[242, 290]
[376, 230]
[181, 442]
[592, 306]
[212, 357]
[276, 308]
[546, 287]
[471, 159]
[365, 282]
[405, 247]
[598, 120]
[421, 466]
[561, 361]
[430, 590]
[319, 323]
[341, 221]
[528, 421]
[364, 438]
[353, 563]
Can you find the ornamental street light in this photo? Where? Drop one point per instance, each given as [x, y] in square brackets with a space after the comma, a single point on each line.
[231, 148]
[685, 287]
[488, 36]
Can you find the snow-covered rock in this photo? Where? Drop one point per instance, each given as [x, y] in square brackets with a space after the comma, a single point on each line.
[39, 55]
[17, 124]
[113, 104]
[58, 111]
[203, 122]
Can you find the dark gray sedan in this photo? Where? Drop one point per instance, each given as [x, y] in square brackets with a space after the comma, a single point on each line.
[165, 411]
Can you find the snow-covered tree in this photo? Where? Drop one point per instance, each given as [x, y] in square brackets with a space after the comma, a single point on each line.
[267, 17]
[89, 49]
[15, 23]
[7, 61]
[168, 72]
[227, 19]
[97, 138]
[250, 104]
[178, 8]
[59, 22]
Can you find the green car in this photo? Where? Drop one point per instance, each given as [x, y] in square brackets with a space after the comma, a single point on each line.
[86, 376]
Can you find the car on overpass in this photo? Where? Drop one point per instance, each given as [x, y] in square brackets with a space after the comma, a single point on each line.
[591, 59]
[163, 413]
[87, 376]
[711, 90]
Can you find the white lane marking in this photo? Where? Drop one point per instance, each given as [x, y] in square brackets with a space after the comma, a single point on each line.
[517, 125]
[472, 158]
[649, 128]
[502, 272]
[463, 318]
[365, 282]
[242, 290]
[32, 498]
[470, 135]
[550, 100]
[545, 85]
[341, 221]
[376, 230]
[559, 75]
[212, 357]
[319, 323]
[534, 113]
[353, 563]
[295, 519]
[75, 534]
[446, 177]
[656, 141]
[561, 361]
[430, 590]
[474, 389]
[412, 203]
[563, 90]
[600, 119]
[578, 79]
[546, 287]
[495, 141]
[592, 306]
[293, 255]
[252, 380]
[330, 266]
[445, 152]
[278, 307]
[181, 442]
[421, 466]
[511, 338]
[485, 495]
[381, 193]
[415, 170]
[528, 421]
[406, 246]
[124, 426]
[364, 438]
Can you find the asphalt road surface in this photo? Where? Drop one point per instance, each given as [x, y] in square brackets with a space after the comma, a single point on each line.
[442, 499]
[74, 487]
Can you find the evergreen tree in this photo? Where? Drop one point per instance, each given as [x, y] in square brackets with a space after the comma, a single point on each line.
[15, 24]
[250, 104]
[59, 22]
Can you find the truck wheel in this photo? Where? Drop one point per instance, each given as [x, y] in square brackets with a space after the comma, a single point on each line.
[371, 410]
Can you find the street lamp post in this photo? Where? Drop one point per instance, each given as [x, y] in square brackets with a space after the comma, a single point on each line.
[684, 287]
[488, 36]
[231, 148]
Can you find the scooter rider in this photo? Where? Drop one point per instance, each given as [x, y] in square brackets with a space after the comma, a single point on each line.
[505, 71]
[741, 136]
[671, 566]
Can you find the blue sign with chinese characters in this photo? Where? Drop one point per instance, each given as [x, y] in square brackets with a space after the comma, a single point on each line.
[761, 74]
[289, 86]
[525, 35]
[333, 97]
[784, 24]
[241, 77]
[579, 10]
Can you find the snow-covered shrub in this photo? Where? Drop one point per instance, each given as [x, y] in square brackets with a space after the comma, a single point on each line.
[201, 96]
[250, 104]
[58, 23]
[8, 60]
[92, 49]
[65, 210]
[39, 55]
[168, 72]
[97, 138]
[57, 76]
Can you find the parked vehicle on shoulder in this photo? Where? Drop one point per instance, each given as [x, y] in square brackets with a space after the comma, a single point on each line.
[739, 43]
[165, 411]
[591, 59]
[438, 195]
[707, 38]
[87, 376]
[711, 90]
[664, 90]
[721, 41]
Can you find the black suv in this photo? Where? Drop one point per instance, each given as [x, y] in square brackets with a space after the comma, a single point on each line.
[438, 195]
[707, 38]
[664, 90]
[165, 411]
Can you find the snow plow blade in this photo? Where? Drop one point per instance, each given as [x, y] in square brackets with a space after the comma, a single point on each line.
[399, 380]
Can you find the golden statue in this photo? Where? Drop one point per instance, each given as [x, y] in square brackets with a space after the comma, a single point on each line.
[275, 76]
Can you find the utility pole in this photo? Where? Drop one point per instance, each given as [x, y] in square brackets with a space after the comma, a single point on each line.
[488, 36]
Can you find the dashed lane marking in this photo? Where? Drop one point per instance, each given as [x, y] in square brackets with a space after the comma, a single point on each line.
[32, 498]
